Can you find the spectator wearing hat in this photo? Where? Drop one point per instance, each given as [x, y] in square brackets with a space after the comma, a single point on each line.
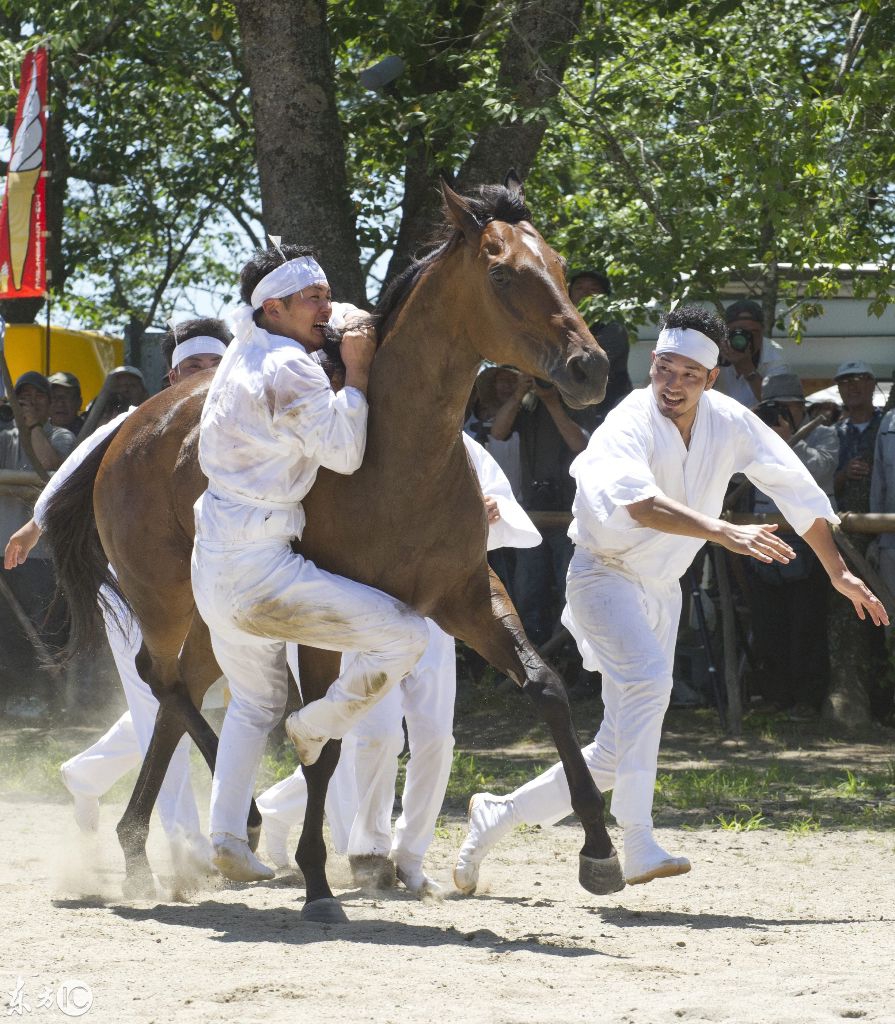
[746, 356]
[858, 430]
[857, 655]
[26, 686]
[789, 602]
[127, 382]
[65, 402]
[50, 443]
[613, 339]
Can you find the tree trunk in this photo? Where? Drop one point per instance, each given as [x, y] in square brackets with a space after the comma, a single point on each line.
[420, 205]
[298, 139]
[532, 64]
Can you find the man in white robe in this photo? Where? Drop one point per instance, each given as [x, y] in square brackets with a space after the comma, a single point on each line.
[362, 790]
[270, 421]
[650, 487]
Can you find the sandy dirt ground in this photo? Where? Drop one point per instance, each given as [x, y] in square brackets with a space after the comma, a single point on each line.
[768, 927]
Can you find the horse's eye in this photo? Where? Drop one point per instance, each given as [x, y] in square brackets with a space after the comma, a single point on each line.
[500, 275]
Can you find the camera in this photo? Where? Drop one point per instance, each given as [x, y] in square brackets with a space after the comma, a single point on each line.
[6, 413]
[739, 340]
[772, 412]
[546, 496]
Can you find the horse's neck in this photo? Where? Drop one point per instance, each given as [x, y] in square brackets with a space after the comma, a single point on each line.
[422, 376]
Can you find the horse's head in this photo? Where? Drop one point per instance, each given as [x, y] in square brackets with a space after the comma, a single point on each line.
[514, 290]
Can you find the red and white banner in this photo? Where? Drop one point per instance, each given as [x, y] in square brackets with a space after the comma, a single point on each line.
[23, 216]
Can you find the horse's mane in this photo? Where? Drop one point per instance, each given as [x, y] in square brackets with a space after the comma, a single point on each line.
[487, 203]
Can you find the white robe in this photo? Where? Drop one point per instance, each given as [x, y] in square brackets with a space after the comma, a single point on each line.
[623, 593]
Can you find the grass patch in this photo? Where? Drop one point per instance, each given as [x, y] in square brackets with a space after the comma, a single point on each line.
[739, 798]
[276, 763]
[735, 823]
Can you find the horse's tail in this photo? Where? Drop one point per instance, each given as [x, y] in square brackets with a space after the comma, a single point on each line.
[82, 569]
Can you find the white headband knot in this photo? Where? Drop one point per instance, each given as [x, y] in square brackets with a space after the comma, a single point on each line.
[201, 345]
[288, 278]
[686, 341]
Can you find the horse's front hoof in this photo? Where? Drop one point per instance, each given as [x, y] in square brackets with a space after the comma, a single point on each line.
[602, 876]
[324, 911]
[141, 886]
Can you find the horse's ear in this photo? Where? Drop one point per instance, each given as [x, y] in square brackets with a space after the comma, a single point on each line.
[513, 184]
[460, 213]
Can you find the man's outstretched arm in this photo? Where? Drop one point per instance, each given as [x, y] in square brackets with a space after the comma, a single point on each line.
[669, 516]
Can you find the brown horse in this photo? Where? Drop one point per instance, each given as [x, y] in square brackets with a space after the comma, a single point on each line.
[410, 521]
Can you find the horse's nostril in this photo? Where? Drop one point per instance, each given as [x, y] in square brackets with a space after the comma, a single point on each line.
[577, 371]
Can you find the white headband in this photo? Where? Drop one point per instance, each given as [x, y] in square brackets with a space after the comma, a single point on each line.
[288, 278]
[201, 345]
[685, 341]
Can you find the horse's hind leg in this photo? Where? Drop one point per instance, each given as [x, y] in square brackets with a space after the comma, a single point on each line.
[486, 620]
[133, 829]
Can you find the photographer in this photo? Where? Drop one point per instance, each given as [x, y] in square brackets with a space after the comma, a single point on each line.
[746, 356]
[550, 436]
[789, 601]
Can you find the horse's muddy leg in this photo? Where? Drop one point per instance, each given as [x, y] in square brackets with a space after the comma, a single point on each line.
[491, 626]
[133, 829]
[320, 904]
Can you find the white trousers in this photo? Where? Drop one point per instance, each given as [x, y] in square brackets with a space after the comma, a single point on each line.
[627, 629]
[362, 791]
[255, 597]
[94, 771]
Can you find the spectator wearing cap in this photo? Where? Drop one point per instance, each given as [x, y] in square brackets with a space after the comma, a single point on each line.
[28, 688]
[747, 356]
[858, 430]
[613, 339]
[65, 402]
[789, 602]
[127, 382]
[51, 444]
[857, 654]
